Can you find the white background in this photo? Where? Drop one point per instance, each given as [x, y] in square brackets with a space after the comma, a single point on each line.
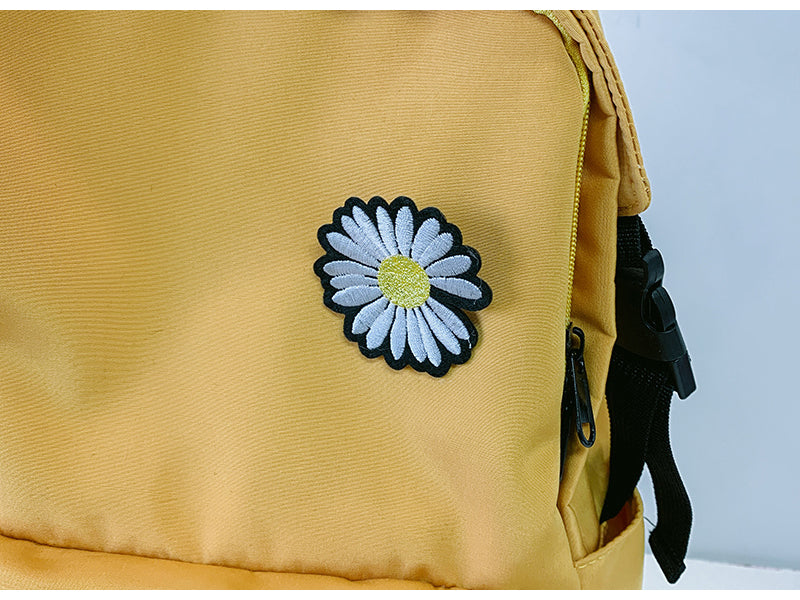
[715, 97]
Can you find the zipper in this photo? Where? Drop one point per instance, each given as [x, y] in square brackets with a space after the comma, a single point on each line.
[576, 405]
[583, 76]
[576, 401]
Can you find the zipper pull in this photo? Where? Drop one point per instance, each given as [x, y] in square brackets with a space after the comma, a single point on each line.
[582, 397]
[576, 402]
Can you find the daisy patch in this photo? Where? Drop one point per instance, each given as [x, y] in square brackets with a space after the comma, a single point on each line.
[402, 279]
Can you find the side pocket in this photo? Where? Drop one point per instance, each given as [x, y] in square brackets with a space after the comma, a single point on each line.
[618, 562]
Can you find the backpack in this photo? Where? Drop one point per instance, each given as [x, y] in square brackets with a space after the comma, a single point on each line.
[328, 300]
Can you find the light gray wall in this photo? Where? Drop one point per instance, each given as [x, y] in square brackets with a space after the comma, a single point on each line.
[716, 96]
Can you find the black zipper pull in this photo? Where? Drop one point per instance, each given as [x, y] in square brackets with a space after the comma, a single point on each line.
[576, 401]
[583, 399]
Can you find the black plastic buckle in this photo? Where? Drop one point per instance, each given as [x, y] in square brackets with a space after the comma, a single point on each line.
[646, 321]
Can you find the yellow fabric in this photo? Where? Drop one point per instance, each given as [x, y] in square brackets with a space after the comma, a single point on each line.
[619, 562]
[24, 564]
[585, 28]
[173, 392]
[28, 565]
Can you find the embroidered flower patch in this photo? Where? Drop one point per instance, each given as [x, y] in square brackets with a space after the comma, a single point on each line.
[401, 276]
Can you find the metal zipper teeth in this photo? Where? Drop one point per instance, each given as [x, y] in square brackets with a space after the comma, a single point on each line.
[583, 76]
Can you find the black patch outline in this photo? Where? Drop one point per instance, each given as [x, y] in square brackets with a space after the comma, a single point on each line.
[456, 304]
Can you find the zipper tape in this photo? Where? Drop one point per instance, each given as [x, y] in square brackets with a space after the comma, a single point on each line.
[583, 76]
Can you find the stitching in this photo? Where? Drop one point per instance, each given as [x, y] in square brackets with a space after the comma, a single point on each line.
[617, 97]
[668, 550]
[591, 562]
[622, 98]
[617, 100]
[605, 550]
[426, 351]
[627, 112]
[221, 565]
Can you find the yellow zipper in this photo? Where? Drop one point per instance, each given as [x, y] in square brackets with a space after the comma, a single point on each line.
[575, 55]
[576, 403]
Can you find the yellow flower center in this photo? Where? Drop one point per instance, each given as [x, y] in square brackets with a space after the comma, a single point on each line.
[403, 281]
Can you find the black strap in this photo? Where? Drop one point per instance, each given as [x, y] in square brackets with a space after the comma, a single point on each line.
[648, 363]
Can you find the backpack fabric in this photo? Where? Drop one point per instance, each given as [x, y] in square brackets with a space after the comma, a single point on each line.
[184, 400]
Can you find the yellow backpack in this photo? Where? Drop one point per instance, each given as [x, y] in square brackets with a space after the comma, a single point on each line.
[327, 300]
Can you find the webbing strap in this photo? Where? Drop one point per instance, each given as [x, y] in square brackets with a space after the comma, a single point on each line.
[639, 391]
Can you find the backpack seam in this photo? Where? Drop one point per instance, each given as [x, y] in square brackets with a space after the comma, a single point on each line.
[220, 565]
[617, 98]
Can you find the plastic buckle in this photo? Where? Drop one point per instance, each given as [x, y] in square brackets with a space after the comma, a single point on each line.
[646, 322]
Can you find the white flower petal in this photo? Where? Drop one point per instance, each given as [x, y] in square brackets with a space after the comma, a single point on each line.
[414, 336]
[440, 330]
[345, 281]
[447, 267]
[368, 227]
[457, 287]
[367, 315]
[440, 246]
[346, 246]
[352, 228]
[377, 333]
[398, 334]
[426, 233]
[357, 295]
[404, 230]
[348, 267]
[360, 238]
[447, 316]
[431, 348]
[386, 229]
